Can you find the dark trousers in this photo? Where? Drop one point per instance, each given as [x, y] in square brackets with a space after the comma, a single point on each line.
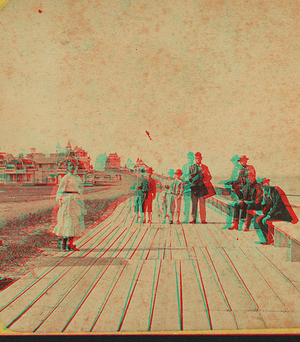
[267, 228]
[237, 208]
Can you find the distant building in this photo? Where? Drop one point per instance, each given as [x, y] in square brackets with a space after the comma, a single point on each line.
[20, 170]
[37, 168]
[140, 163]
[129, 164]
[113, 162]
[100, 162]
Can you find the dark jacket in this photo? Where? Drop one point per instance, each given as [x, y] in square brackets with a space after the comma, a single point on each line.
[277, 205]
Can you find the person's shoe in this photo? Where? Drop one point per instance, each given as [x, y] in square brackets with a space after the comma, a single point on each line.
[185, 221]
[178, 222]
[64, 244]
[246, 229]
[262, 242]
[58, 245]
[149, 221]
[72, 248]
[203, 222]
[235, 225]
[171, 222]
[194, 221]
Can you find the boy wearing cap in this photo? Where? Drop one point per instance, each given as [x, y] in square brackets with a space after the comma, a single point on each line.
[176, 192]
[141, 194]
[165, 195]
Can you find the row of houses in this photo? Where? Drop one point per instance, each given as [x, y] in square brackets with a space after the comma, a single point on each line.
[39, 168]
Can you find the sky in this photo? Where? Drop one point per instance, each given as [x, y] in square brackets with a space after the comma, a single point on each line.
[219, 77]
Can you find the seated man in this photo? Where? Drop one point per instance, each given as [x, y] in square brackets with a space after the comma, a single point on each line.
[253, 195]
[275, 208]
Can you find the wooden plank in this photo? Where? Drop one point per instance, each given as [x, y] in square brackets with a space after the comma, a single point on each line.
[205, 236]
[281, 285]
[295, 317]
[223, 320]
[61, 297]
[293, 251]
[58, 286]
[142, 251]
[215, 294]
[82, 320]
[179, 251]
[60, 313]
[139, 309]
[194, 307]
[262, 293]
[190, 237]
[237, 294]
[249, 320]
[32, 294]
[155, 248]
[166, 307]
[126, 247]
[276, 256]
[277, 320]
[111, 316]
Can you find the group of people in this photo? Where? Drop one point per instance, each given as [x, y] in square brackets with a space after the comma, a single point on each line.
[191, 184]
[253, 196]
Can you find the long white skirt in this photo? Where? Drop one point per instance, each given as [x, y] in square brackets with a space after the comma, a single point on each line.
[70, 216]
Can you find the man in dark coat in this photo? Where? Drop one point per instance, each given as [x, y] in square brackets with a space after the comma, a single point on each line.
[275, 208]
[151, 195]
[207, 182]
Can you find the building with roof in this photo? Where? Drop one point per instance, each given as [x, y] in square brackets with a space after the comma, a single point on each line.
[113, 162]
[100, 162]
[37, 168]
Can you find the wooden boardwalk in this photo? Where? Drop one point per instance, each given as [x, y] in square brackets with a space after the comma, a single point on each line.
[130, 276]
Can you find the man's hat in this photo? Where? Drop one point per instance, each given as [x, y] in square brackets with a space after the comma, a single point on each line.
[235, 158]
[190, 154]
[198, 154]
[265, 181]
[243, 157]
[150, 170]
[170, 172]
[178, 172]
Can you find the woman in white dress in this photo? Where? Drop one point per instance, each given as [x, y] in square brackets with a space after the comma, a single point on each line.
[70, 216]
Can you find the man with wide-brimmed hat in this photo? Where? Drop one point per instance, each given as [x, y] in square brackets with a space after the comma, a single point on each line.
[246, 179]
[141, 194]
[150, 195]
[176, 192]
[194, 187]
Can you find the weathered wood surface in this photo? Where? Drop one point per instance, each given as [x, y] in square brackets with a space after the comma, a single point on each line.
[131, 276]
